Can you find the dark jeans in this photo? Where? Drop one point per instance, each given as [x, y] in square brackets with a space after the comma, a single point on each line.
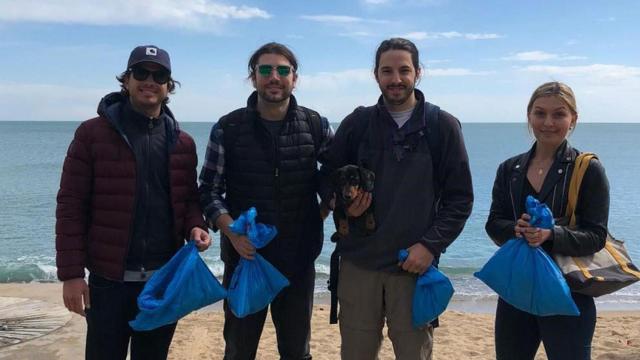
[291, 316]
[113, 305]
[518, 333]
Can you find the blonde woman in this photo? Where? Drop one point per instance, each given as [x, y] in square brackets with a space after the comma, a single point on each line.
[545, 172]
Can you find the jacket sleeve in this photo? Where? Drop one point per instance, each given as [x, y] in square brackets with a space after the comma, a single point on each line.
[212, 177]
[337, 155]
[193, 215]
[456, 190]
[72, 210]
[592, 215]
[325, 145]
[501, 222]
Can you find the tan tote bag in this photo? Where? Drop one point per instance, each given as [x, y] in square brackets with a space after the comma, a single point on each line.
[604, 272]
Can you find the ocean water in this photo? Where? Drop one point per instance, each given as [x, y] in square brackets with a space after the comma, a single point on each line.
[31, 156]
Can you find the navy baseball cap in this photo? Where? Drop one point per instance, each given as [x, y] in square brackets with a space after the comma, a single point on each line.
[150, 53]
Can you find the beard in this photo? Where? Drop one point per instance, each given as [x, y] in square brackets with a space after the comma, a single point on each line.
[275, 97]
[397, 94]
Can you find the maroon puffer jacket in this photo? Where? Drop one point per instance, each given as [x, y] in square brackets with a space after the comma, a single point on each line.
[96, 199]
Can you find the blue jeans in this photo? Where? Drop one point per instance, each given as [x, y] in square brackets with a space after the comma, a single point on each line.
[291, 316]
[113, 305]
[518, 333]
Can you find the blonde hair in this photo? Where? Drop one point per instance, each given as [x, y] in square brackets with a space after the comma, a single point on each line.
[557, 89]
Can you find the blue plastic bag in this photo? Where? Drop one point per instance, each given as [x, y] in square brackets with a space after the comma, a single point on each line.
[182, 285]
[255, 283]
[526, 277]
[431, 296]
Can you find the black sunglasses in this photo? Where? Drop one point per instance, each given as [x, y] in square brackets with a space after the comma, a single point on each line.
[266, 70]
[159, 76]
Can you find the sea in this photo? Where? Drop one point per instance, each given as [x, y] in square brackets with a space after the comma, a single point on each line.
[32, 153]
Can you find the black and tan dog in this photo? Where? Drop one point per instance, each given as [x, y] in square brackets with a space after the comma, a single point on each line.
[348, 182]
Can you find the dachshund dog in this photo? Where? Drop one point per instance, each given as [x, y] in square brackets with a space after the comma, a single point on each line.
[348, 182]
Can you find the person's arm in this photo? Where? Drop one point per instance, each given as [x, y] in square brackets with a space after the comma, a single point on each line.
[501, 222]
[456, 190]
[194, 225]
[72, 214]
[212, 178]
[212, 189]
[336, 155]
[592, 214]
[327, 139]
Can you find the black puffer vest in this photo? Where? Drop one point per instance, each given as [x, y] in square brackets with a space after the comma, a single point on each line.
[278, 176]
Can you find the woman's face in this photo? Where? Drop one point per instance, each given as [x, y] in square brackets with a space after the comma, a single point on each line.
[551, 120]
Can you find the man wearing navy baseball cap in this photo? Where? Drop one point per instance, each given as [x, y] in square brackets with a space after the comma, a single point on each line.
[128, 200]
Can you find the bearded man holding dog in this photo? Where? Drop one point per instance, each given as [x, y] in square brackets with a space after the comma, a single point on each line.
[422, 196]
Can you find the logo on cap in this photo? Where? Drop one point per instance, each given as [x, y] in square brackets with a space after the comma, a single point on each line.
[151, 51]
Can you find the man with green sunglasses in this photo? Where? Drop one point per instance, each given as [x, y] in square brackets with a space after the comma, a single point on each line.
[266, 155]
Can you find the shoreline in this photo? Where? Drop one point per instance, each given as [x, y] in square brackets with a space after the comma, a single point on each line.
[462, 334]
[474, 304]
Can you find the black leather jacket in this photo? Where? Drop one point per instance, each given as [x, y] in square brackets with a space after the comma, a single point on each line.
[592, 208]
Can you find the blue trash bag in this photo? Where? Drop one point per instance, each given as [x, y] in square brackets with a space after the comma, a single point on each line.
[431, 296]
[255, 283]
[182, 285]
[526, 277]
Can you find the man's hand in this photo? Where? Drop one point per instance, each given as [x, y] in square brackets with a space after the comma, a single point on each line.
[419, 260]
[201, 238]
[75, 293]
[359, 205]
[241, 243]
[243, 246]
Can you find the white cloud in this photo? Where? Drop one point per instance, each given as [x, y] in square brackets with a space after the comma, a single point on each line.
[422, 35]
[537, 55]
[456, 72]
[48, 102]
[356, 34]
[333, 18]
[608, 19]
[482, 36]
[376, 2]
[341, 19]
[336, 94]
[594, 71]
[192, 14]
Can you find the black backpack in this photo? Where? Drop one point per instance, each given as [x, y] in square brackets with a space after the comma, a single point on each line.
[432, 115]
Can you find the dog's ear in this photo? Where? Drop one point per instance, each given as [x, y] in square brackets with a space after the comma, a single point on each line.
[367, 179]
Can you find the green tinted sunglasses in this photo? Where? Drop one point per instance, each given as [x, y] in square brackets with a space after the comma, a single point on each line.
[266, 70]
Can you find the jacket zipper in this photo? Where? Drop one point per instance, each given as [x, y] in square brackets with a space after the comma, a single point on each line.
[146, 194]
[135, 201]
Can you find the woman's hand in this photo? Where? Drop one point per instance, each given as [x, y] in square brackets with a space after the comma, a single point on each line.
[534, 235]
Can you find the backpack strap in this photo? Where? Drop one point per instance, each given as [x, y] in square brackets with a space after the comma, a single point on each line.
[432, 120]
[315, 123]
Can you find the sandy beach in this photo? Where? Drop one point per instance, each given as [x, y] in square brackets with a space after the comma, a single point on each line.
[462, 335]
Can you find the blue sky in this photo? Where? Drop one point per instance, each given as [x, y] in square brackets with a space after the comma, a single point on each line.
[482, 58]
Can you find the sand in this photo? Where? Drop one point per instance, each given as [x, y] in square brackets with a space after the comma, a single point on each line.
[462, 335]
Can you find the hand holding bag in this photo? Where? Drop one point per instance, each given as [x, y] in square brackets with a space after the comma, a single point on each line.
[604, 272]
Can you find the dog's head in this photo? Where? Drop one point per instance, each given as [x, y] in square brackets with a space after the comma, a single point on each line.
[350, 180]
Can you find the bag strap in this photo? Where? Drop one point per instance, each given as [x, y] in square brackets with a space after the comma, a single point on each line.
[579, 169]
[581, 165]
[315, 123]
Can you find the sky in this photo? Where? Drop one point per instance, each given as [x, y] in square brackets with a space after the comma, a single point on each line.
[481, 59]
